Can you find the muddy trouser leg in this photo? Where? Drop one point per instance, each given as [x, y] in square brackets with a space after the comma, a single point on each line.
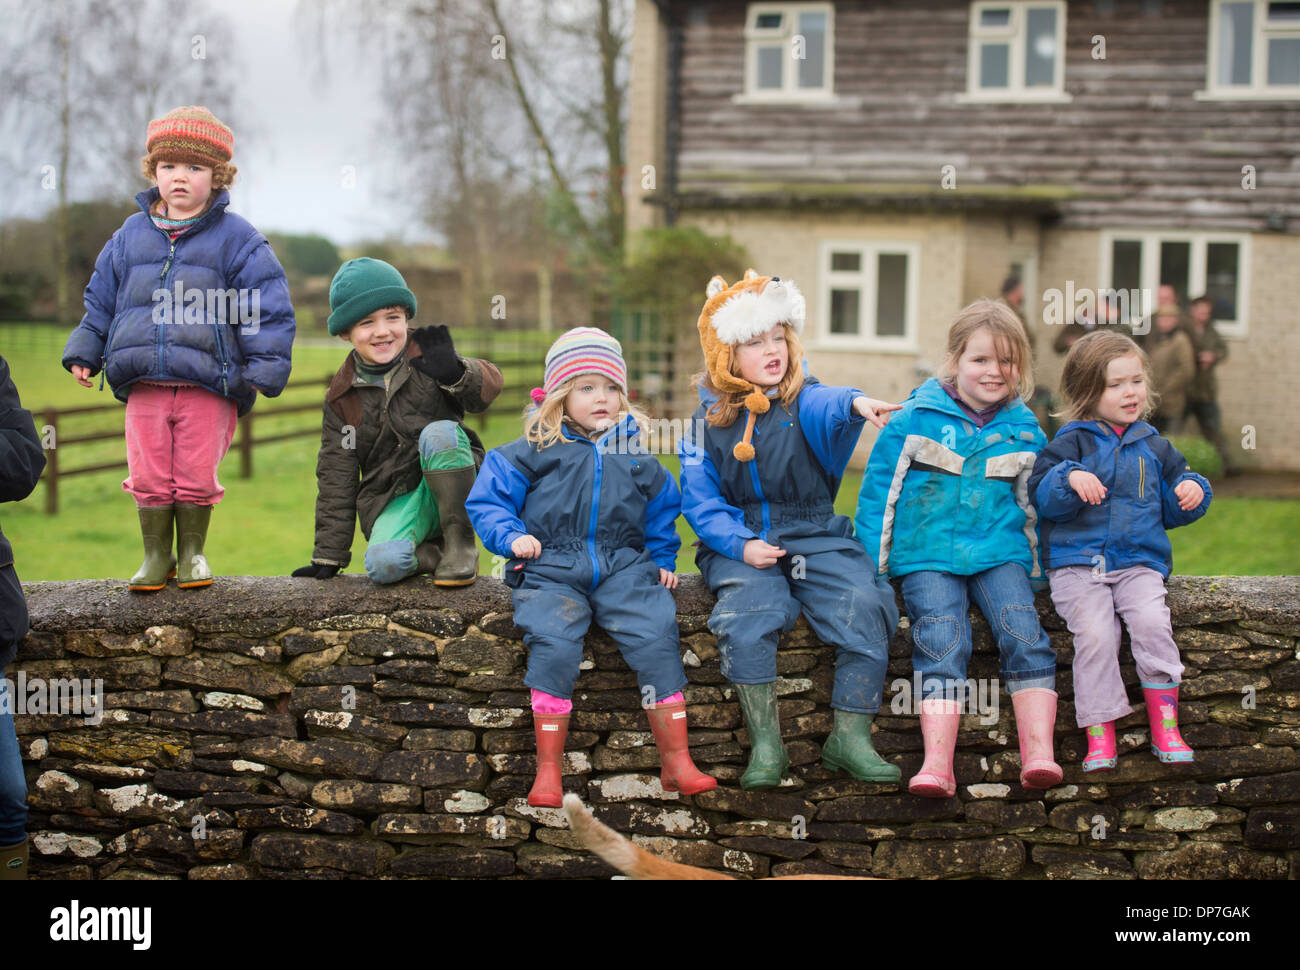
[554, 617]
[640, 615]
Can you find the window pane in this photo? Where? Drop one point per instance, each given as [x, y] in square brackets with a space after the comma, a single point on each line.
[1235, 25]
[769, 68]
[891, 294]
[1284, 13]
[1126, 266]
[1221, 275]
[1284, 60]
[768, 21]
[811, 69]
[995, 18]
[846, 262]
[844, 311]
[1175, 263]
[1040, 47]
[994, 64]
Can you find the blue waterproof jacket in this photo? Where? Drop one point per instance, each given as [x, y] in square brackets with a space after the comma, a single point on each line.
[942, 495]
[786, 495]
[595, 506]
[135, 328]
[1140, 471]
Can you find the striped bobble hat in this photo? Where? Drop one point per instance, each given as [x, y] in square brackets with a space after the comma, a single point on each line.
[190, 134]
[584, 350]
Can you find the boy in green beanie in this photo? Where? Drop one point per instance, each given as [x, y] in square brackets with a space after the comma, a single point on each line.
[393, 449]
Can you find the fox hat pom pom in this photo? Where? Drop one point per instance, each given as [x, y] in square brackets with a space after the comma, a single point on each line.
[734, 314]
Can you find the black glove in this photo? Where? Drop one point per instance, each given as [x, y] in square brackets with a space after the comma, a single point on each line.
[438, 357]
[316, 572]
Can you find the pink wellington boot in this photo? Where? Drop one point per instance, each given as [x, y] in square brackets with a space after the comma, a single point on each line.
[1101, 747]
[1035, 709]
[940, 720]
[1162, 712]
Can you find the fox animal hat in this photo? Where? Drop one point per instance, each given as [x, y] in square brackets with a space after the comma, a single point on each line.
[737, 313]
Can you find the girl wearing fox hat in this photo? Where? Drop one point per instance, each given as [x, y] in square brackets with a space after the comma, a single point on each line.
[760, 494]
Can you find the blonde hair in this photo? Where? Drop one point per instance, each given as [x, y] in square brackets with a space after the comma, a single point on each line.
[1083, 380]
[223, 173]
[543, 422]
[724, 411]
[1009, 340]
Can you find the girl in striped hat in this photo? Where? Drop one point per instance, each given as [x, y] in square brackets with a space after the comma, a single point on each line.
[585, 516]
[188, 316]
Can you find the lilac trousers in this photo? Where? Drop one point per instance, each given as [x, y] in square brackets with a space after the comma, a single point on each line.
[175, 439]
[1092, 603]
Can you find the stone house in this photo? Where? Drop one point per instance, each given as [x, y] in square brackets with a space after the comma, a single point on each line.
[898, 160]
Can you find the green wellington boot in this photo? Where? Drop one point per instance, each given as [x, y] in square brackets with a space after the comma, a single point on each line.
[13, 861]
[159, 564]
[849, 749]
[191, 533]
[767, 755]
[450, 487]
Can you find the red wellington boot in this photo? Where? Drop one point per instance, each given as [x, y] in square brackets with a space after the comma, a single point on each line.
[548, 787]
[668, 722]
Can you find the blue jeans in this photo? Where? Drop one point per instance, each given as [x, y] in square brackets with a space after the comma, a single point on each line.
[847, 605]
[937, 604]
[13, 786]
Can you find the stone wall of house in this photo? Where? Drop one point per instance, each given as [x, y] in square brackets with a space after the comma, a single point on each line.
[280, 728]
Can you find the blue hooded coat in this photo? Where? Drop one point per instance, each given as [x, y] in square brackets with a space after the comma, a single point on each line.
[942, 495]
[134, 328]
[1140, 471]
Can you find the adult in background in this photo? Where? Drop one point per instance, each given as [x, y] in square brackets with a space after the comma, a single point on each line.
[1173, 365]
[1203, 392]
[21, 462]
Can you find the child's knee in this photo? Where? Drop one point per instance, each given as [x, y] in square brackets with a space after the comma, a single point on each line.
[390, 562]
[440, 436]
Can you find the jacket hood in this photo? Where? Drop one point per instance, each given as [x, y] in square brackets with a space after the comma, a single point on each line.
[1100, 429]
[932, 396]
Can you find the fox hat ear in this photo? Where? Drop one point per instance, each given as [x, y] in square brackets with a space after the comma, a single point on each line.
[716, 286]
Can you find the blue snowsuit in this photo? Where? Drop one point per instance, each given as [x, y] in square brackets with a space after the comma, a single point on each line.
[945, 505]
[786, 496]
[134, 329]
[1140, 471]
[604, 513]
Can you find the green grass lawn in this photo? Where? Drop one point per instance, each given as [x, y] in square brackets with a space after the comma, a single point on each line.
[264, 525]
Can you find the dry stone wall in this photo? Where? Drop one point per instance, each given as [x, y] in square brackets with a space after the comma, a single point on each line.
[281, 728]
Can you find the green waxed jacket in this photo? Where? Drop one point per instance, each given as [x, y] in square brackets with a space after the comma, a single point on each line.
[1205, 385]
[369, 452]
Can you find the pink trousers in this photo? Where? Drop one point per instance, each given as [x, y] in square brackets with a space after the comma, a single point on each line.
[175, 439]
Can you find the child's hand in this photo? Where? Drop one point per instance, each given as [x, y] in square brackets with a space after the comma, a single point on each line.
[667, 579]
[1087, 486]
[82, 374]
[526, 547]
[1189, 494]
[877, 412]
[760, 554]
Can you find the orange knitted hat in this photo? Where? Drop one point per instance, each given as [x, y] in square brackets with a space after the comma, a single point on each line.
[737, 313]
[190, 134]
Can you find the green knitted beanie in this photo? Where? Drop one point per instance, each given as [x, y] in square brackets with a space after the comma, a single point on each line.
[362, 286]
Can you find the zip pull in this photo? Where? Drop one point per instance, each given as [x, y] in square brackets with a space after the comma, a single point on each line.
[101, 373]
[168, 265]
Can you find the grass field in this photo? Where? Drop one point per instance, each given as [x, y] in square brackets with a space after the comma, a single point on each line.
[264, 525]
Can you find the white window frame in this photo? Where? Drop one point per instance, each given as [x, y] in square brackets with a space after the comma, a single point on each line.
[864, 280]
[1195, 270]
[756, 38]
[1014, 35]
[1258, 89]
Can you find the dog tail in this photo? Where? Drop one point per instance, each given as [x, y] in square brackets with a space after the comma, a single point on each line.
[627, 858]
